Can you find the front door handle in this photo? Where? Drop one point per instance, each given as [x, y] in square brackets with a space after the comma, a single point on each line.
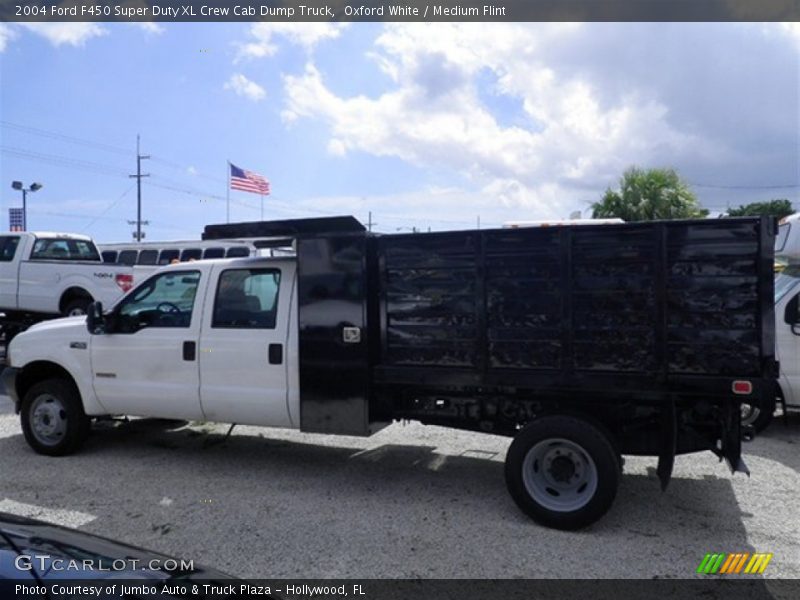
[275, 354]
[189, 350]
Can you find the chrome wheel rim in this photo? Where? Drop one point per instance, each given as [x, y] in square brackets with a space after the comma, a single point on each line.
[559, 475]
[48, 419]
[749, 414]
[76, 312]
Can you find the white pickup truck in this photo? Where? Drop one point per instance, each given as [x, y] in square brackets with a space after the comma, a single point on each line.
[47, 274]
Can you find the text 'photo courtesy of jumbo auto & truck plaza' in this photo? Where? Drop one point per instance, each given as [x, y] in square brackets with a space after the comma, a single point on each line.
[390, 300]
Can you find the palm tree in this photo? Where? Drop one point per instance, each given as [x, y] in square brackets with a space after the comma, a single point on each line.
[646, 195]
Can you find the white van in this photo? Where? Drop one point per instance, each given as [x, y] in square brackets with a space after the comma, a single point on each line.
[164, 253]
[787, 242]
[787, 341]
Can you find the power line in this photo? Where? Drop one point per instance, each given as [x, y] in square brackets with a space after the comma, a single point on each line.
[62, 161]
[64, 137]
[745, 187]
[107, 208]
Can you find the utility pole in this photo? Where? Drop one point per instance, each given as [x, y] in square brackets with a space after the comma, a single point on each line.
[138, 176]
[370, 224]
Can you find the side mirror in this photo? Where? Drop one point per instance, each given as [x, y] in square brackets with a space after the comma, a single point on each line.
[95, 322]
[792, 313]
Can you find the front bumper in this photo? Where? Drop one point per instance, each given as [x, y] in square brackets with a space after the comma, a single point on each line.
[8, 383]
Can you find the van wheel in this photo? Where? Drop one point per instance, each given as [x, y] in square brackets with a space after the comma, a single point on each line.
[52, 418]
[563, 472]
[77, 307]
[758, 415]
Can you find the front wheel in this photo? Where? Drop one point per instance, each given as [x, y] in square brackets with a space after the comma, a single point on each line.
[52, 418]
[563, 472]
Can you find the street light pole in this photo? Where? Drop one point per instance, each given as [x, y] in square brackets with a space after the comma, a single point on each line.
[17, 185]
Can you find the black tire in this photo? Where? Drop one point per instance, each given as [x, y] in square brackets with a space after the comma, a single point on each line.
[77, 307]
[549, 469]
[52, 417]
[759, 416]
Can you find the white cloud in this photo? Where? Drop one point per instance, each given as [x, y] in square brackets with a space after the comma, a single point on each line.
[149, 27]
[242, 86]
[191, 170]
[435, 115]
[6, 35]
[337, 147]
[72, 34]
[307, 35]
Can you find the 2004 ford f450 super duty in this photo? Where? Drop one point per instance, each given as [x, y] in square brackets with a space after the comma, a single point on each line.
[582, 343]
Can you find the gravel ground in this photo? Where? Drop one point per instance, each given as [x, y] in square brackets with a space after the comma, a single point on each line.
[411, 501]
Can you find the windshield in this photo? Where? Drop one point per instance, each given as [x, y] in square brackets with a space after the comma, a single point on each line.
[783, 235]
[786, 281]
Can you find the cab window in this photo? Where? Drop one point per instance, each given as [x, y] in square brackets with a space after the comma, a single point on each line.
[147, 257]
[164, 300]
[191, 254]
[64, 249]
[128, 257]
[214, 252]
[8, 247]
[237, 251]
[167, 256]
[246, 299]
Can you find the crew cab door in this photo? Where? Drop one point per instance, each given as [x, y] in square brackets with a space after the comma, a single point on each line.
[244, 345]
[9, 248]
[146, 363]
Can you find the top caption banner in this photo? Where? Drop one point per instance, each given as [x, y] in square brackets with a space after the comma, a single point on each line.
[401, 10]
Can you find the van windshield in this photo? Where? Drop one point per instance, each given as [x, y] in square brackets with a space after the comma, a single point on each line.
[786, 281]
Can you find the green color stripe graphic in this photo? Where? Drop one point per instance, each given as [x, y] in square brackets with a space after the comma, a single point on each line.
[704, 563]
[718, 564]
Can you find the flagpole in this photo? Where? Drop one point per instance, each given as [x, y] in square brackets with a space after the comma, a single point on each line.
[262, 206]
[228, 193]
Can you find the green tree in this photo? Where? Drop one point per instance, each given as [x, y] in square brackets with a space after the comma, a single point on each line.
[777, 208]
[646, 195]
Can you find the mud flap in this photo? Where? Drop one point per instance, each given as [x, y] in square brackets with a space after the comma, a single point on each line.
[669, 437]
[731, 442]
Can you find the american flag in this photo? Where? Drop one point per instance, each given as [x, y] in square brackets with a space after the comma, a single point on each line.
[247, 181]
[15, 219]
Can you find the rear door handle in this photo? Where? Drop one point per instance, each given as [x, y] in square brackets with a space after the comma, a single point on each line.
[189, 350]
[275, 354]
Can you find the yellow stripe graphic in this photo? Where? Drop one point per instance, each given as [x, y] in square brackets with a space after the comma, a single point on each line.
[741, 562]
[728, 563]
[752, 562]
[764, 564]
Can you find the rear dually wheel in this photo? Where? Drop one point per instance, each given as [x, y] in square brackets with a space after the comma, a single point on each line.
[562, 471]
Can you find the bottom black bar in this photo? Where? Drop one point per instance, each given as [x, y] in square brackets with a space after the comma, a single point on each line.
[707, 587]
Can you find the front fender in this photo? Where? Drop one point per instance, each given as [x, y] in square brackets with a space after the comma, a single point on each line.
[8, 381]
[68, 357]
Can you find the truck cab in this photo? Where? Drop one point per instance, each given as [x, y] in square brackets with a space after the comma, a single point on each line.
[230, 319]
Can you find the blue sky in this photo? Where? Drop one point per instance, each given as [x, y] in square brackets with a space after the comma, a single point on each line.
[424, 125]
